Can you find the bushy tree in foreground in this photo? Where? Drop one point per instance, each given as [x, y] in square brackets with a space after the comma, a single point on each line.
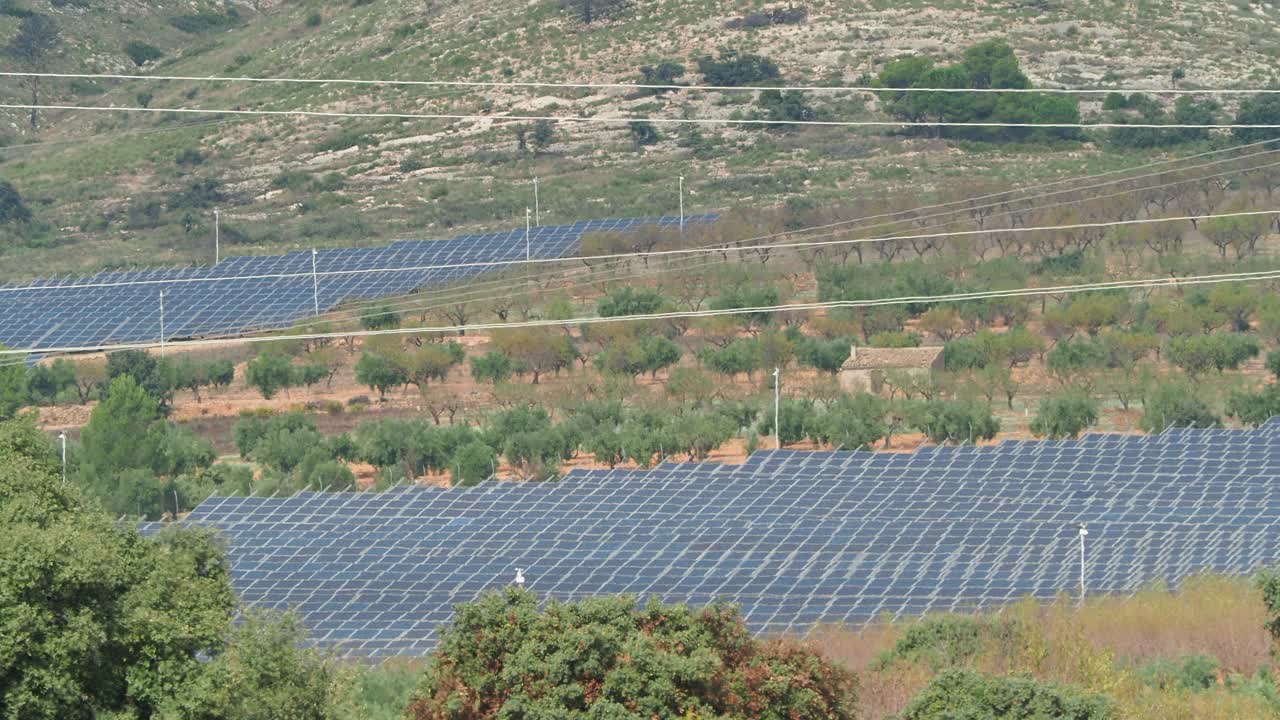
[960, 693]
[13, 388]
[99, 622]
[608, 658]
[95, 619]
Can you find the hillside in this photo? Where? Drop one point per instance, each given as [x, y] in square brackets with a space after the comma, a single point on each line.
[120, 189]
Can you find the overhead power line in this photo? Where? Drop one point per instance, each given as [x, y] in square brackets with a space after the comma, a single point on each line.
[499, 84]
[474, 292]
[649, 254]
[965, 206]
[633, 119]
[764, 309]
[482, 291]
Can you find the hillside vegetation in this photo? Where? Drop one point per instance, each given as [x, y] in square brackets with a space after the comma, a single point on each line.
[118, 189]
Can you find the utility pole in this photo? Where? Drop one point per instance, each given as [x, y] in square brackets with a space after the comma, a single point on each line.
[777, 404]
[528, 254]
[217, 238]
[162, 319]
[528, 218]
[315, 282]
[63, 437]
[537, 208]
[682, 205]
[1083, 533]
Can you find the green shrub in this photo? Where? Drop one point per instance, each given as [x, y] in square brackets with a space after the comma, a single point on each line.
[12, 208]
[205, 21]
[1193, 673]
[493, 367]
[252, 429]
[643, 133]
[346, 139]
[411, 164]
[1255, 408]
[142, 53]
[382, 317]
[189, 157]
[1175, 404]
[958, 693]
[947, 641]
[736, 68]
[1064, 416]
[607, 658]
[313, 19]
[954, 421]
[270, 373]
[291, 180]
[472, 464]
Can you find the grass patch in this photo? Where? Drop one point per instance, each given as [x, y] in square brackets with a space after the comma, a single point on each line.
[1198, 652]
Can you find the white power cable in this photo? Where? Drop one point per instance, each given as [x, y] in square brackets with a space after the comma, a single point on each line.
[747, 242]
[416, 302]
[1028, 188]
[765, 309]
[588, 120]
[649, 255]
[639, 86]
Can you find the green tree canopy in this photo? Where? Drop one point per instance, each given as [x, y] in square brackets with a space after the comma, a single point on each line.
[472, 464]
[270, 372]
[1064, 416]
[954, 421]
[989, 64]
[1176, 404]
[13, 388]
[115, 436]
[1198, 354]
[1255, 408]
[538, 349]
[380, 373]
[96, 619]
[1260, 109]
[493, 367]
[734, 67]
[503, 657]
[963, 693]
[854, 423]
[262, 674]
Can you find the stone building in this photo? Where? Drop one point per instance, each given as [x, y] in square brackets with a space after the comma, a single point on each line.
[866, 367]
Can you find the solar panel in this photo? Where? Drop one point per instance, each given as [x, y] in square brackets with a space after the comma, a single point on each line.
[200, 301]
[795, 537]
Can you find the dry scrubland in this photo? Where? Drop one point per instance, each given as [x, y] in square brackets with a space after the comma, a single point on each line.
[289, 183]
[1116, 646]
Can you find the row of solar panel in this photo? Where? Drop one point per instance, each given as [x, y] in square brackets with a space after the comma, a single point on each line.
[796, 538]
[251, 293]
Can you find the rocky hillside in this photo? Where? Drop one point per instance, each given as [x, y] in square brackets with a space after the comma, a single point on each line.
[111, 189]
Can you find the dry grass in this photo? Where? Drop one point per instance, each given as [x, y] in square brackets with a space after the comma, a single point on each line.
[1099, 647]
[1214, 616]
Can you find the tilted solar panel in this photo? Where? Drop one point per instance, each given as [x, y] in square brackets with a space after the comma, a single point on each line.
[243, 294]
[796, 538]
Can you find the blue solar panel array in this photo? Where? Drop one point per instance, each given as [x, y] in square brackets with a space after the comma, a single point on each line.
[202, 301]
[796, 538]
